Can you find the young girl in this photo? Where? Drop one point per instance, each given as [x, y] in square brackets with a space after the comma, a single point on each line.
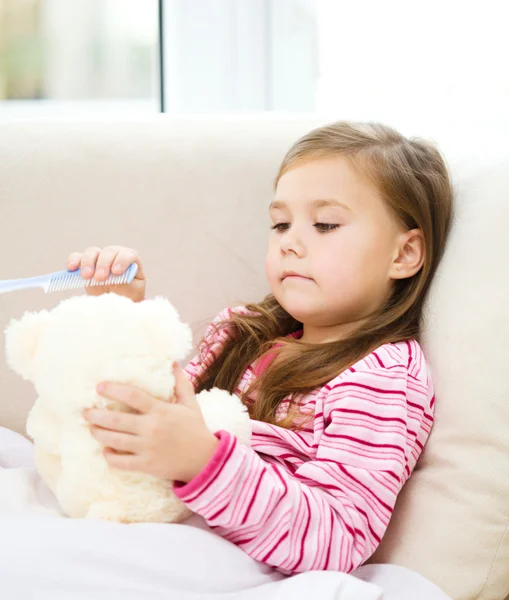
[328, 364]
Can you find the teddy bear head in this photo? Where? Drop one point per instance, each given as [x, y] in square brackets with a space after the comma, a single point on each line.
[66, 351]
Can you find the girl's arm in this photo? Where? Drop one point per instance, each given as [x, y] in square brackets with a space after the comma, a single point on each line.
[331, 513]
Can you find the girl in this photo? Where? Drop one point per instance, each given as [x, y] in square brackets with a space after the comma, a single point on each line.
[328, 364]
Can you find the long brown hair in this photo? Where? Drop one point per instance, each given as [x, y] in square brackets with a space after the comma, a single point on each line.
[412, 178]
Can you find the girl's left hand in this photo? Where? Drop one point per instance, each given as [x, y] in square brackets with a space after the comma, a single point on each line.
[170, 441]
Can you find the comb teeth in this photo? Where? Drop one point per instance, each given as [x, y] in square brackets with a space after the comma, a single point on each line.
[73, 280]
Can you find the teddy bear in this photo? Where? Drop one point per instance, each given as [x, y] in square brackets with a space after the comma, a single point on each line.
[65, 352]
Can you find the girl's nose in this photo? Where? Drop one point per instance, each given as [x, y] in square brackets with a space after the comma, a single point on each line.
[292, 242]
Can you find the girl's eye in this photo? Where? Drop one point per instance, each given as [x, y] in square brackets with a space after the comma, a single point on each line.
[281, 226]
[324, 227]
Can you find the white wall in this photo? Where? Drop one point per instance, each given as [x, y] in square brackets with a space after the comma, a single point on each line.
[402, 60]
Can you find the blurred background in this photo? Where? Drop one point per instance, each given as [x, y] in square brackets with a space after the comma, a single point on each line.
[99, 53]
[368, 59]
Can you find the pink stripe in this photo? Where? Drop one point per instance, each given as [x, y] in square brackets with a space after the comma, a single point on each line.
[371, 401]
[420, 408]
[253, 498]
[409, 354]
[329, 546]
[366, 425]
[370, 415]
[304, 535]
[379, 500]
[272, 533]
[379, 360]
[363, 442]
[378, 539]
[370, 501]
[365, 455]
[275, 547]
[243, 542]
[366, 387]
[214, 516]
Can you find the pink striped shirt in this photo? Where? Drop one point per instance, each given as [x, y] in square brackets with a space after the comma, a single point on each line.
[318, 498]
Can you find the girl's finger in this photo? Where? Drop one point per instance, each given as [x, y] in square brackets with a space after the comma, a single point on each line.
[125, 462]
[123, 442]
[74, 261]
[184, 390]
[124, 259]
[104, 263]
[113, 420]
[133, 397]
[88, 261]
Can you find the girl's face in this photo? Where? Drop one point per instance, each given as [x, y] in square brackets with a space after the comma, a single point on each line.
[335, 247]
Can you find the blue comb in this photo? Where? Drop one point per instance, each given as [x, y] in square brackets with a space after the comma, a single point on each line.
[66, 280]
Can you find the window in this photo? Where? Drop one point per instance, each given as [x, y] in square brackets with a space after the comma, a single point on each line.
[102, 57]
[78, 56]
[240, 56]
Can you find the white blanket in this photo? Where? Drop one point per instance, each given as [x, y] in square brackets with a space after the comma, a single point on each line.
[46, 556]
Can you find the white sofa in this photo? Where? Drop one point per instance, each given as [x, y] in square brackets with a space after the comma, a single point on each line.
[191, 196]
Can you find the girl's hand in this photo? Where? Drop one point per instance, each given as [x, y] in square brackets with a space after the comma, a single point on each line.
[170, 441]
[96, 263]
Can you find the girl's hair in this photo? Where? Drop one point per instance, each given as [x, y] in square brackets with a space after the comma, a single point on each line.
[412, 178]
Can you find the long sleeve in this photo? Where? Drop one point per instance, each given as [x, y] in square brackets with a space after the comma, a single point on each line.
[331, 512]
[211, 344]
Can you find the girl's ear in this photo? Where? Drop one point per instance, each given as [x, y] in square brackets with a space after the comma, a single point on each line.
[21, 341]
[409, 257]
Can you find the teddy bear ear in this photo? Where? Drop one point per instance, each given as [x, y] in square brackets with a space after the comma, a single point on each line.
[21, 340]
[163, 323]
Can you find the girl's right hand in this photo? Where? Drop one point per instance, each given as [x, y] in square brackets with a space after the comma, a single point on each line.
[97, 263]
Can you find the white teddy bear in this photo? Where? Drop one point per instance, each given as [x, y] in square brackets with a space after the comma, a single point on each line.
[66, 352]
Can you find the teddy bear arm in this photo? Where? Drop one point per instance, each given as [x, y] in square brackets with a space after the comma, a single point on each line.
[222, 410]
